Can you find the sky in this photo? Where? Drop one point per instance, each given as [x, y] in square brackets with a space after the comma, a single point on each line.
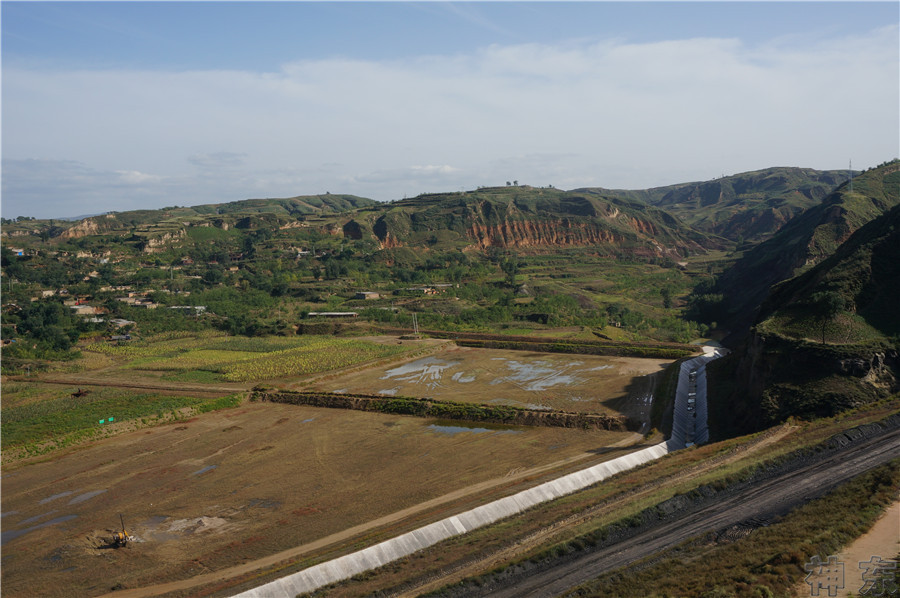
[130, 105]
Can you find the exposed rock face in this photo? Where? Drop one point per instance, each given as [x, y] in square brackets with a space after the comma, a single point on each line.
[86, 227]
[386, 238]
[157, 244]
[532, 233]
[775, 378]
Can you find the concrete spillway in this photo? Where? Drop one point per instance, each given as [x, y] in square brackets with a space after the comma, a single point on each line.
[689, 424]
[378, 555]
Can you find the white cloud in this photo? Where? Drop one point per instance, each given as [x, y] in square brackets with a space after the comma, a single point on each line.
[611, 114]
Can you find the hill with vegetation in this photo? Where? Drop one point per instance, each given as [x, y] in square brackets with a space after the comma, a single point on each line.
[245, 213]
[531, 218]
[746, 207]
[825, 341]
[802, 243]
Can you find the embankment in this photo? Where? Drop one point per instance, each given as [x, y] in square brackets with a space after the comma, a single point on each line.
[472, 412]
[547, 345]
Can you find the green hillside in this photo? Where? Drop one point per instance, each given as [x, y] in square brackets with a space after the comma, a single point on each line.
[864, 273]
[826, 339]
[750, 206]
[807, 240]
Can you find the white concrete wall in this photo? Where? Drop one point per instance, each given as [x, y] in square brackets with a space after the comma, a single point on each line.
[378, 555]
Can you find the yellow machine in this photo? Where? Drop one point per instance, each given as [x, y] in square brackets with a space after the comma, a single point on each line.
[121, 539]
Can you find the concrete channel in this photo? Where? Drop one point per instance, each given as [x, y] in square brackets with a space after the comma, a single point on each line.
[685, 426]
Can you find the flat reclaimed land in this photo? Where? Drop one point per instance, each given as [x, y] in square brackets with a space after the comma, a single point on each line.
[566, 382]
[236, 485]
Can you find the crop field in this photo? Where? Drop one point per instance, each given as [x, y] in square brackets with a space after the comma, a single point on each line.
[235, 359]
[240, 484]
[576, 383]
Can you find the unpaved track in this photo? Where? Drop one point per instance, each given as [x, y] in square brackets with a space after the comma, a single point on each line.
[766, 499]
[546, 534]
[115, 381]
[291, 553]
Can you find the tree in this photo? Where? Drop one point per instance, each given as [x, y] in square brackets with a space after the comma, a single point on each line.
[666, 293]
[826, 306]
[510, 267]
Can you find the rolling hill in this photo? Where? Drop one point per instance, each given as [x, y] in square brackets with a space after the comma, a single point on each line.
[807, 240]
[750, 206]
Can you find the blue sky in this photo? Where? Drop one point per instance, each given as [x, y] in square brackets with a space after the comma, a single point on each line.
[124, 105]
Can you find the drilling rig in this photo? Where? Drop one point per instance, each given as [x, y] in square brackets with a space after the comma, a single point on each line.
[121, 539]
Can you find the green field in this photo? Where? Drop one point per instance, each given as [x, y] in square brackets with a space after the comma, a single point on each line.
[209, 358]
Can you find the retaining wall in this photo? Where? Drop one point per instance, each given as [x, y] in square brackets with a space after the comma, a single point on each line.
[378, 555]
[496, 414]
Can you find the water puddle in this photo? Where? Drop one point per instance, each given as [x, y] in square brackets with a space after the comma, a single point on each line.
[539, 375]
[54, 497]
[7, 535]
[462, 378]
[36, 517]
[454, 428]
[600, 367]
[427, 371]
[306, 421]
[204, 470]
[388, 391]
[339, 391]
[154, 521]
[2, 515]
[87, 495]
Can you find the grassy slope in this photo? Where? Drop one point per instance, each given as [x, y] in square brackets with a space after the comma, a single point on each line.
[751, 205]
[865, 271]
[808, 239]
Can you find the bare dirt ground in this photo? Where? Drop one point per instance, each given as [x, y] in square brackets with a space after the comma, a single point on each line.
[227, 493]
[579, 383]
[239, 485]
[883, 540]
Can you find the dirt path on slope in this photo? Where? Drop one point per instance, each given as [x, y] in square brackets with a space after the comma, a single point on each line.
[292, 553]
[541, 536]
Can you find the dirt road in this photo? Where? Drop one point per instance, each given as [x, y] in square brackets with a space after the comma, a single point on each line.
[292, 553]
[764, 500]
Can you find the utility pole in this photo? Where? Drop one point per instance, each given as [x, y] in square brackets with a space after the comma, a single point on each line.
[851, 176]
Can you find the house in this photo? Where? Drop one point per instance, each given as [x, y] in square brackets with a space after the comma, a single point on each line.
[198, 309]
[367, 295]
[422, 290]
[334, 314]
[87, 310]
[17, 252]
[120, 322]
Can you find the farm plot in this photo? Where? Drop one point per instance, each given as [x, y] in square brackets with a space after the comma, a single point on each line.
[237, 485]
[581, 383]
[231, 359]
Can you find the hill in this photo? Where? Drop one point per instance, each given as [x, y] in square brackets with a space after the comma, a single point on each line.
[276, 212]
[825, 340]
[806, 240]
[750, 206]
[534, 218]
